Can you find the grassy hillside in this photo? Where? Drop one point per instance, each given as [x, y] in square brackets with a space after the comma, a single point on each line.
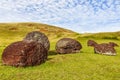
[103, 35]
[16, 31]
[80, 66]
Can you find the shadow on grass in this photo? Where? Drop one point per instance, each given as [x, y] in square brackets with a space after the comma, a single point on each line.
[52, 52]
[48, 59]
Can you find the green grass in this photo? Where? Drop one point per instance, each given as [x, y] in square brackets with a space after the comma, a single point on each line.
[80, 66]
[103, 35]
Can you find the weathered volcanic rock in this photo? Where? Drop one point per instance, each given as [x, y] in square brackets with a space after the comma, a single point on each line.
[38, 37]
[68, 45]
[24, 54]
[103, 48]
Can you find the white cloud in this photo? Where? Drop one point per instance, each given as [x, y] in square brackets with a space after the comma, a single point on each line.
[77, 15]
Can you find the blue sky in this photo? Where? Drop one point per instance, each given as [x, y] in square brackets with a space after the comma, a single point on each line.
[77, 15]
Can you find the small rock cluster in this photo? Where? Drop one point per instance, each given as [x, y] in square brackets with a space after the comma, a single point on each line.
[33, 50]
[103, 48]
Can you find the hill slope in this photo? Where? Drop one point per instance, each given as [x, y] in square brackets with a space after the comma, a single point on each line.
[10, 32]
[102, 35]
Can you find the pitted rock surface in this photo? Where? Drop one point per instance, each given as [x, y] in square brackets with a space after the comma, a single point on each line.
[103, 48]
[24, 54]
[38, 37]
[68, 45]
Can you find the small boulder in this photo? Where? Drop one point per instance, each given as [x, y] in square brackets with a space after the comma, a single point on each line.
[38, 37]
[21, 54]
[68, 45]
